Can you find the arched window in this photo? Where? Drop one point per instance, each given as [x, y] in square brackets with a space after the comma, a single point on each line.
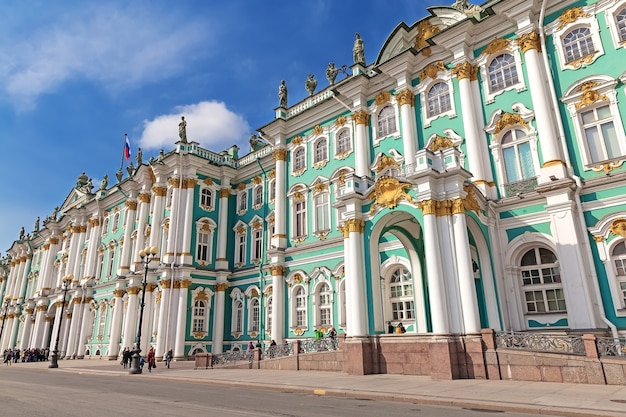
[116, 221]
[600, 133]
[103, 321]
[299, 162]
[502, 72]
[206, 198]
[438, 99]
[255, 311]
[299, 224]
[620, 21]
[243, 201]
[199, 317]
[517, 156]
[577, 44]
[324, 305]
[258, 196]
[105, 226]
[541, 282]
[322, 212]
[238, 316]
[618, 256]
[203, 254]
[386, 122]
[401, 295]
[344, 145]
[321, 151]
[268, 313]
[272, 190]
[300, 310]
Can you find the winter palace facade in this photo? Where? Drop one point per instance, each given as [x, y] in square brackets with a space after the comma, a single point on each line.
[470, 178]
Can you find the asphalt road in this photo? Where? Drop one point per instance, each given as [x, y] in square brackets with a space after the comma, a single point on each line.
[51, 393]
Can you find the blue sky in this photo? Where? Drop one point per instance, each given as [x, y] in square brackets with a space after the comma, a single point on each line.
[76, 75]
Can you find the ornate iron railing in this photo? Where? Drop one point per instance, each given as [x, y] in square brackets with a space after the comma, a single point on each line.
[523, 186]
[608, 346]
[573, 345]
[232, 357]
[318, 345]
[279, 351]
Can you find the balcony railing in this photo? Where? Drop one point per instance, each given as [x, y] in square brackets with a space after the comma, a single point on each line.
[573, 345]
[524, 186]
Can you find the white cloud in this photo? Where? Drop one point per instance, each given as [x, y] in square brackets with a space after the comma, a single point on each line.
[210, 123]
[117, 47]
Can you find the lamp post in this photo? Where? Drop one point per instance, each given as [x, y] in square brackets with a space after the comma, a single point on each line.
[147, 255]
[67, 280]
[7, 301]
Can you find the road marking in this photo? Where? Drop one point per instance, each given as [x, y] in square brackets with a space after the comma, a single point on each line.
[319, 391]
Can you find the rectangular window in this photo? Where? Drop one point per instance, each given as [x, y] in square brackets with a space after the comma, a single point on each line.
[300, 225]
[322, 216]
[258, 239]
[203, 247]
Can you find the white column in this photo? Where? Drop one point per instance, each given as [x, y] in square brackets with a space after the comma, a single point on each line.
[185, 256]
[148, 315]
[74, 328]
[81, 235]
[123, 268]
[218, 318]
[406, 100]
[544, 112]
[467, 286]
[434, 269]
[355, 278]
[40, 322]
[85, 327]
[46, 334]
[172, 239]
[158, 203]
[181, 319]
[221, 261]
[163, 316]
[448, 265]
[140, 243]
[280, 209]
[361, 144]
[475, 138]
[25, 343]
[130, 321]
[92, 249]
[172, 320]
[116, 324]
[278, 303]
[58, 316]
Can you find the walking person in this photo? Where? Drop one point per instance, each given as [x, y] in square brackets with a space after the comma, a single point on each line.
[151, 360]
[168, 358]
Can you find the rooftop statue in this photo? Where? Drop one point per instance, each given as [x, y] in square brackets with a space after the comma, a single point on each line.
[471, 10]
[104, 183]
[331, 73]
[37, 224]
[22, 233]
[282, 95]
[359, 50]
[139, 157]
[182, 130]
[310, 84]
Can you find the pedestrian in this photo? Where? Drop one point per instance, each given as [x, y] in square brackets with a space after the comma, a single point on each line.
[126, 357]
[142, 362]
[400, 328]
[168, 358]
[390, 328]
[151, 360]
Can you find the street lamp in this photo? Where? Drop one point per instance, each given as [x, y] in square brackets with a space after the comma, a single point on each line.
[147, 255]
[67, 280]
[7, 301]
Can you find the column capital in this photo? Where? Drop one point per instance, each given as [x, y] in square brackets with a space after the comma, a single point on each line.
[280, 155]
[427, 206]
[406, 97]
[277, 270]
[159, 191]
[466, 70]
[224, 192]
[529, 41]
[119, 293]
[360, 117]
[144, 197]
[221, 287]
[352, 225]
[132, 205]
[133, 290]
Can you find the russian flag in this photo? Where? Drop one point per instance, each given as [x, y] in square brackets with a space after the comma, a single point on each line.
[127, 149]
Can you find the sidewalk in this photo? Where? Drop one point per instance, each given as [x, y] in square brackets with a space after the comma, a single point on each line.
[572, 400]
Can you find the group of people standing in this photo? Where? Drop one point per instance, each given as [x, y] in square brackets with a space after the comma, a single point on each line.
[399, 328]
[27, 355]
[150, 358]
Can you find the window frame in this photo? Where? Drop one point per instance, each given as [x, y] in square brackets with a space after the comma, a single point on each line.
[611, 14]
[343, 143]
[485, 61]
[542, 287]
[559, 33]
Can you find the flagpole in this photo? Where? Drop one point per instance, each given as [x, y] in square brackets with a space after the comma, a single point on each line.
[120, 173]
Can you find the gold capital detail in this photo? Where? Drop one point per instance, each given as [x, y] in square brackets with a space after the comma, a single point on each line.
[224, 192]
[529, 41]
[173, 182]
[443, 208]
[589, 95]
[470, 202]
[185, 283]
[360, 117]
[189, 182]
[144, 197]
[406, 97]
[221, 287]
[151, 287]
[132, 290]
[382, 97]
[119, 293]
[458, 206]
[177, 284]
[94, 222]
[432, 70]
[618, 227]
[132, 205]
[165, 283]
[552, 162]
[352, 225]
[509, 119]
[280, 155]
[277, 270]
[159, 191]
[75, 229]
[427, 207]
[207, 181]
[497, 45]
[466, 70]
[439, 143]
[388, 192]
[570, 16]
[341, 120]
[54, 240]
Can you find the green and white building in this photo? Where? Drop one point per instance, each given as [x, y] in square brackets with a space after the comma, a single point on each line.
[470, 178]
